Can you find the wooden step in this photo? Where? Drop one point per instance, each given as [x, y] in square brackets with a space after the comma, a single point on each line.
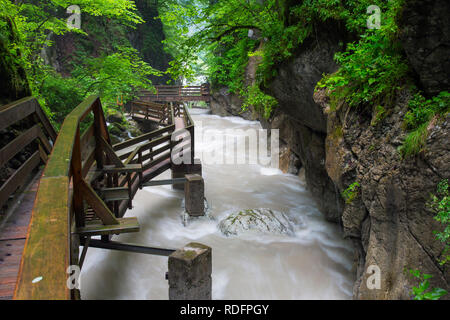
[115, 194]
[94, 228]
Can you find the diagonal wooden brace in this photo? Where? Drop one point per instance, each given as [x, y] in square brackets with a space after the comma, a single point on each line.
[100, 208]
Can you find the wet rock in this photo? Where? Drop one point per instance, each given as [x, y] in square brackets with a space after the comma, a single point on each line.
[224, 103]
[115, 117]
[425, 36]
[133, 128]
[256, 220]
[289, 162]
[302, 122]
[120, 129]
[388, 220]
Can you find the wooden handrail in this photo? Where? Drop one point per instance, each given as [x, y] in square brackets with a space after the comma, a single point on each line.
[47, 253]
[178, 93]
[11, 114]
[59, 214]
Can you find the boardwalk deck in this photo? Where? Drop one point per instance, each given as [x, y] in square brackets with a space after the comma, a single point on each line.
[12, 238]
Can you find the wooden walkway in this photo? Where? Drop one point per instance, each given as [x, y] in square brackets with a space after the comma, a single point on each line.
[18, 192]
[12, 238]
[83, 192]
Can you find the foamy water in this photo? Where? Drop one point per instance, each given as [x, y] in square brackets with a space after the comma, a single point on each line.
[316, 263]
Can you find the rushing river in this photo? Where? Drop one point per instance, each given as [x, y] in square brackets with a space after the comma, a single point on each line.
[316, 263]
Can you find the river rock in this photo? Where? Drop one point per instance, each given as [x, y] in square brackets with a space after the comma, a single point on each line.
[257, 220]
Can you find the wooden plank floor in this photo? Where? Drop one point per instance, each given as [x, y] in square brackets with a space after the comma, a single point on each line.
[12, 239]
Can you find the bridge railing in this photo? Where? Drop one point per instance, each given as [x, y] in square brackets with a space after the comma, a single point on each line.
[181, 111]
[40, 130]
[164, 114]
[177, 93]
[151, 150]
[58, 221]
[151, 111]
[58, 207]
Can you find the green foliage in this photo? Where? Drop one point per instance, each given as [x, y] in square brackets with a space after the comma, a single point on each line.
[227, 67]
[415, 141]
[61, 94]
[380, 114]
[112, 69]
[423, 291]
[351, 192]
[216, 33]
[262, 102]
[421, 110]
[440, 203]
[372, 68]
[117, 74]
[417, 119]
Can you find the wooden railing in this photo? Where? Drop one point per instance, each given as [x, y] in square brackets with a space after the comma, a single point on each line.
[59, 216]
[156, 112]
[168, 113]
[177, 93]
[41, 130]
[72, 203]
[150, 150]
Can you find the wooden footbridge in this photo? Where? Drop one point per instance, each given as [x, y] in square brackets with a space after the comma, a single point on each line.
[84, 191]
[178, 94]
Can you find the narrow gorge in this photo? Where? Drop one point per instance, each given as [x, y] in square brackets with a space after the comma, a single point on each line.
[358, 91]
[388, 220]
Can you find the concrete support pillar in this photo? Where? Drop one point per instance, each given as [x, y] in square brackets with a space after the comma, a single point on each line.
[179, 171]
[194, 192]
[189, 273]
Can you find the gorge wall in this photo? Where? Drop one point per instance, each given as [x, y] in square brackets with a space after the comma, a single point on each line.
[388, 221]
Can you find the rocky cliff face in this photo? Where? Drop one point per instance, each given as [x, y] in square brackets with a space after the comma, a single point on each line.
[388, 220]
[224, 103]
[425, 36]
[302, 124]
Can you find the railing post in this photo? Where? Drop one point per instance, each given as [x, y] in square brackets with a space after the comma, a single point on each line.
[192, 132]
[141, 175]
[130, 188]
[189, 275]
[116, 203]
[98, 134]
[77, 177]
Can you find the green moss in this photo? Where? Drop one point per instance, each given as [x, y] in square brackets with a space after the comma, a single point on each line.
[380, 115]
[189, 254]
[338, 133]
[351, 192]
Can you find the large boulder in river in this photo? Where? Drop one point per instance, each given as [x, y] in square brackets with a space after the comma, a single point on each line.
[256, 220]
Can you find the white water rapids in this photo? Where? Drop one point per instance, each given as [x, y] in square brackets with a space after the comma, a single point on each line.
[316, 263]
